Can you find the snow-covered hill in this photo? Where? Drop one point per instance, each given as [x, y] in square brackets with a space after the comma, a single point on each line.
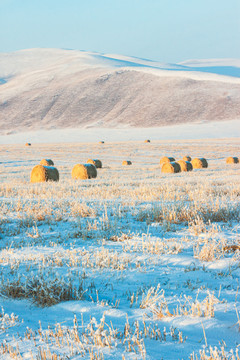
[54, 88]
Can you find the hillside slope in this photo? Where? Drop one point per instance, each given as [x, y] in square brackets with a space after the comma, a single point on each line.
[52, 88]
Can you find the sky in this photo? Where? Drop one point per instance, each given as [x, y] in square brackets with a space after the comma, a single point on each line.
[163, 30]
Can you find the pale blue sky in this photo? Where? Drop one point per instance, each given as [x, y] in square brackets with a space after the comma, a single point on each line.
[164, 30]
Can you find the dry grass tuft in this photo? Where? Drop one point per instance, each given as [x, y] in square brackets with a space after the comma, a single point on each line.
[155, 301]
[216, 354]
[159, 247]
[211, 250]
[88, 340]
[43, 292]
[231, 248]
[191, 213]
[7, 321]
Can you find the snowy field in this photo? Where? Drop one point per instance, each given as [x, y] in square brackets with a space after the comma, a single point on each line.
[134, 264]
[197, 131]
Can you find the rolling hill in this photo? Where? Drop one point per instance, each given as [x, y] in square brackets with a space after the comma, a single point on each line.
[54, 89]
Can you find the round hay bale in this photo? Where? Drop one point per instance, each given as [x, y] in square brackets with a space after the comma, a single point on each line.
[166, 159]
[95, 162]
[147, 141]
[28, 144]
[46, 162]
[171, 167]
[187, 158]
[41, 173]
[101, 142]
[185, 165]
[84, 171]
[199, 163]
[126, 162]
[232, 160]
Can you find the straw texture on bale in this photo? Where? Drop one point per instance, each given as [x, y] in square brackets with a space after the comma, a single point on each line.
[84, 171]
[232, 160]
[147, 141]
[28, 144]
[41, 173]
[185, 165]
[95, 162]
[187, 158]
[46, 162]
[199, 163]
[166, 159]
[171, 167]
[126, 162]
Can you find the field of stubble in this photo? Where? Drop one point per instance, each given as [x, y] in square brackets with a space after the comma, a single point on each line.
[134, 264]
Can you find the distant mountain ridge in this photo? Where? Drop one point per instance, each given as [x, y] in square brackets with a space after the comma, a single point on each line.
[54, 88]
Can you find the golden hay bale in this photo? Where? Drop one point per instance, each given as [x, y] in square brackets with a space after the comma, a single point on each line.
[199, 163]
[46, 162]
[187, 158]
[232, 160]
[166, 159]
[95, 162]
[171, 167]
[41, 173]
[84, 171]
[126, 162]
[185, 165]
[147, 141]
[28, 144]
[101, 142]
